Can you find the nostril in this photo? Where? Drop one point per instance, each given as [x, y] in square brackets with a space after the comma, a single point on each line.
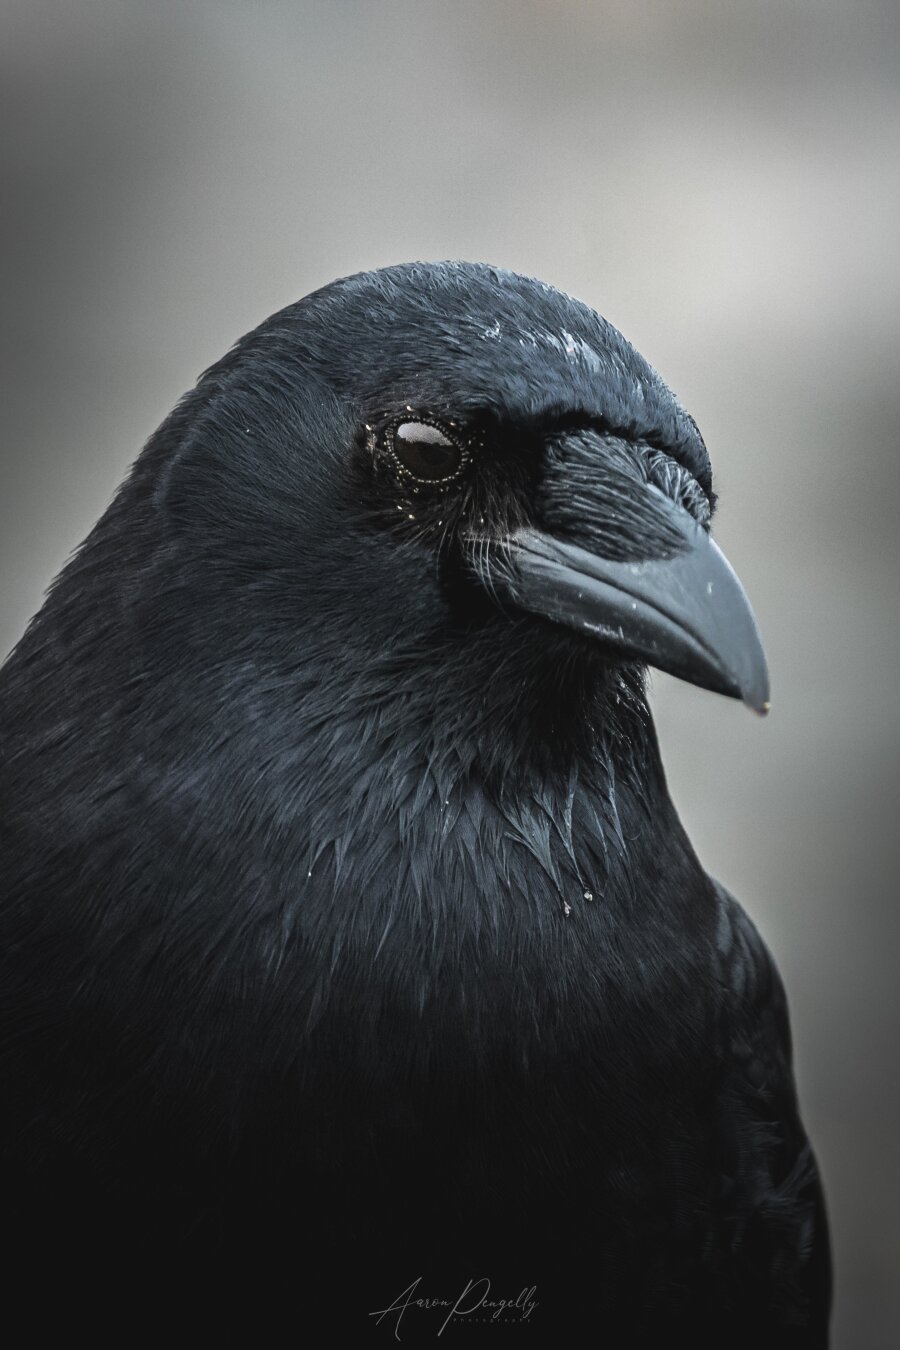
[678, 484]
[595, 492]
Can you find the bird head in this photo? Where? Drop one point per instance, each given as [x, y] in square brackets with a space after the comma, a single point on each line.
[456, 455]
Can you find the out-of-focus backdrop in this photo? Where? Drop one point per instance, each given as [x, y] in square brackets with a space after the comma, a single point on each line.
[722, 181]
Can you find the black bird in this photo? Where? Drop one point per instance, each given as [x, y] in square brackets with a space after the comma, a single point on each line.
[356, 968]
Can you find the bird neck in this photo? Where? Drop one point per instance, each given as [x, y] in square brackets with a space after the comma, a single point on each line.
[516, 728]
[542, 778]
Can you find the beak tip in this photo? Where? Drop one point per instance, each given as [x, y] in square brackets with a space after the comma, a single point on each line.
[758, 701]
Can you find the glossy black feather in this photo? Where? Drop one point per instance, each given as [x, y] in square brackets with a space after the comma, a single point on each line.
[348, 932]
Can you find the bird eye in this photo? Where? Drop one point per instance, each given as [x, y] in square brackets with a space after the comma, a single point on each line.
[426, 453]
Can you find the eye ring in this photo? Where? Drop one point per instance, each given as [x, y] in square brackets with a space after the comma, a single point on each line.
[440, 456]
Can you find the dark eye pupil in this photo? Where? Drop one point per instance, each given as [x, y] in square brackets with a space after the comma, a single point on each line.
[426, 451]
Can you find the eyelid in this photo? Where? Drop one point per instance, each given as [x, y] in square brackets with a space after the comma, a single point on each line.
[447, 428]
[441, 436]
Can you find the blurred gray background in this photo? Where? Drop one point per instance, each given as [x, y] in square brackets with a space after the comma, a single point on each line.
[722, 181]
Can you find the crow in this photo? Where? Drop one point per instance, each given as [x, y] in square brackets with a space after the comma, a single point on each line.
[357, 972]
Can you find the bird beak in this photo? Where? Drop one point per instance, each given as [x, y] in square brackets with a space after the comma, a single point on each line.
[686, 614]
